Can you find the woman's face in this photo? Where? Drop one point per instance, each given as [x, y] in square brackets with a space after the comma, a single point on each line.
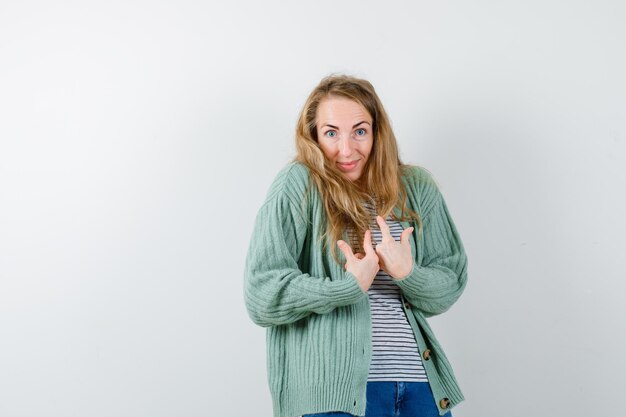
[344, 133]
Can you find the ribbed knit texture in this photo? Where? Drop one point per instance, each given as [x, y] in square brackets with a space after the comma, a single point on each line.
[318, 318]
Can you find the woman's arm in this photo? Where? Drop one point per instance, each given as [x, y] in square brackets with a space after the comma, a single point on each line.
[438, 276]
[276, 290]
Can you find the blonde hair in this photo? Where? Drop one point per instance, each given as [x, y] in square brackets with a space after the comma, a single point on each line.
[380, 181]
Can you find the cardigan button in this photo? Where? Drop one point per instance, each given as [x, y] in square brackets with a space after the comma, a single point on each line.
[444, 403]
[407, 305]
[426, 354]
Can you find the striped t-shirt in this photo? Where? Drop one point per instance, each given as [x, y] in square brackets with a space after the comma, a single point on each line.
[395, 355]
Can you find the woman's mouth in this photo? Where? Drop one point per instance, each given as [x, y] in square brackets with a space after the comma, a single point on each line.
[348, 166]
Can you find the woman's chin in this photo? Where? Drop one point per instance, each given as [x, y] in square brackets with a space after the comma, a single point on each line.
[352, 176]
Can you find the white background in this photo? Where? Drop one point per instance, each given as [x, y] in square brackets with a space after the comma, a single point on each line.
[138, 139]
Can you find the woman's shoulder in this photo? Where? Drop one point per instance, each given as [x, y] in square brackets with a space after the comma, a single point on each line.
[294, 171]
[415, 175]
[291, 181]
[422, 187]
[293, 175]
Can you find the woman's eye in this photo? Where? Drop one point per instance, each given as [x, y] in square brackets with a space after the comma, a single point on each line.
[331, 134]
[360, 132]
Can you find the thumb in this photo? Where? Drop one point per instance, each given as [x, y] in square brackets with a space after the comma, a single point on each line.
[345, 249]
[406, 233]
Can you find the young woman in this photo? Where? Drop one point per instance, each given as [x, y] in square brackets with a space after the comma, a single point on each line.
[351, 251]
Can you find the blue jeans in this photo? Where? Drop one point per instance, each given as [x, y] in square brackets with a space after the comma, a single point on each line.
[395, 399]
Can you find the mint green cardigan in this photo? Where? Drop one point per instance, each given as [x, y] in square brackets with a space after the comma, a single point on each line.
[318, 318]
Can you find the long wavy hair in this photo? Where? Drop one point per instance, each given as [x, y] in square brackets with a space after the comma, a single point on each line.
[380, 182]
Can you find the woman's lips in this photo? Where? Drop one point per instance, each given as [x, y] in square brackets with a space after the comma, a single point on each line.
[348, 166]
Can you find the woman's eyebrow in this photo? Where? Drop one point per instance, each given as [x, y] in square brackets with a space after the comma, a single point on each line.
[335, 127]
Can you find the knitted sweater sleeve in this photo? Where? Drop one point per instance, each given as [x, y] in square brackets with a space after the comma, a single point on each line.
[439, 275]
[276, 291]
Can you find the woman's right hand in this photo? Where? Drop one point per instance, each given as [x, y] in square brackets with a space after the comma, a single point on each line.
[363, 267]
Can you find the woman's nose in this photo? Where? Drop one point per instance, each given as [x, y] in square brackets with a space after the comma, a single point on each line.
[346, 147]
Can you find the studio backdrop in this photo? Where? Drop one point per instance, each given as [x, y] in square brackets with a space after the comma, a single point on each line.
[138, 140]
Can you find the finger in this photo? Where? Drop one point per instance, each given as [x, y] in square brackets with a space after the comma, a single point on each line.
[359, 255]
[384, 228]
[345, 249]
[406, 233]
[367, 242]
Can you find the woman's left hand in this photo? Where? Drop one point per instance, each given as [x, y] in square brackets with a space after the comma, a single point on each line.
[395, 258]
